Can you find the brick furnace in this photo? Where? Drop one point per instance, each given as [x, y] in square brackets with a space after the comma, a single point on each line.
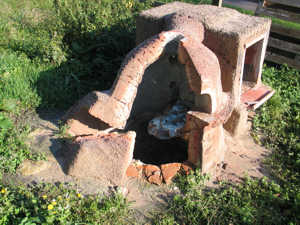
[195, 71]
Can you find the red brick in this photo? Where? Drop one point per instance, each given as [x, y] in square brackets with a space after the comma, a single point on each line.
[149, 170]
[132, 171]
[169, 170]
[155, 178]
[186, 167]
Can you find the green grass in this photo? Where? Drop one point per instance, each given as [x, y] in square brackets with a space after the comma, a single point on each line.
[13, 150]
[74, 46]
[241, 10]
[278, 124]
[252, 202]
[53, 52]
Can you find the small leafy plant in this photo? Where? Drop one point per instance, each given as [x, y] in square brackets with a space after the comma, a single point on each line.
[49, 204]
[251, 202]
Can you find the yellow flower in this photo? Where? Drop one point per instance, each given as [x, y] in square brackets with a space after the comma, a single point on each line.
[54, 203]
[50, 207]
[129, 5]
[78, 195]
[44, 196]
[3, 190]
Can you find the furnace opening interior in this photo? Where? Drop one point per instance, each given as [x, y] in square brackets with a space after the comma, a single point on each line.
[163, 84]
[152, 150]
[253, 57]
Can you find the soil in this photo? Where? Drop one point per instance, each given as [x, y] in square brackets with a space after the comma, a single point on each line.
[243, 157]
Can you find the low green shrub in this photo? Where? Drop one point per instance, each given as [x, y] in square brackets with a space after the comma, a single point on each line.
[73, 46]
[49, 204]
[13, 150]
[251, 202]
[278, 123]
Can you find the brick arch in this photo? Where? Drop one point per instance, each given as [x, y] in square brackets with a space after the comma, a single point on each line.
[119, 99]
[205, 79]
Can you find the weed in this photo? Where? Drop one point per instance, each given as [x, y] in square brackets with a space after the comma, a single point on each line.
[252, 202]
[17, 78]
[49, 204]
[13, 150]
[62, 133]
[278, 122]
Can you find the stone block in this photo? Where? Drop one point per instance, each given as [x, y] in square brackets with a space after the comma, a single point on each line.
[105, 157]
[78, 119]
[186, 24]
[29, 167]
[206, 142]
[84, 124]
[237, 124]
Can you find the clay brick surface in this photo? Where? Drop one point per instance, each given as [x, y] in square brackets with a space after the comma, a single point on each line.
[255, 97]
[125, 92]
[106, 157]
[227, 32]
[237, 124]
[169, 170]
[203, 72]
[155, 179]
[78, 119]
[186, 167]
[213, 148]
[133, 171]
[149, 170]
[206, 142]
[84, 124]
[117, 109]
[194, 149]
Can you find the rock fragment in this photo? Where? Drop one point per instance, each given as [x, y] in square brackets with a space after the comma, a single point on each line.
[156, 178]
[134, 170]
[29, 167]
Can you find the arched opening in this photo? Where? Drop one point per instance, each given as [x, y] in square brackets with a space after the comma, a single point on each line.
[163, 84]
